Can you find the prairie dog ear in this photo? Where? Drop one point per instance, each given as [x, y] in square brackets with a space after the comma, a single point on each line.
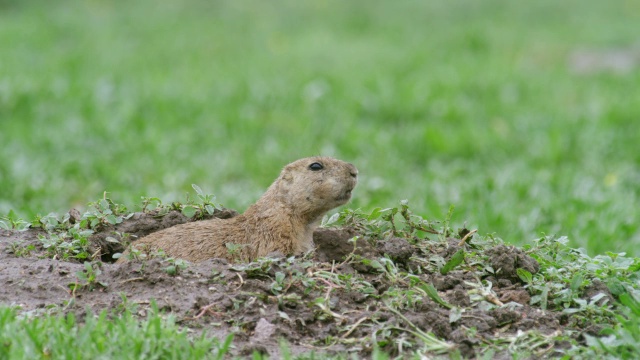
[286, 181]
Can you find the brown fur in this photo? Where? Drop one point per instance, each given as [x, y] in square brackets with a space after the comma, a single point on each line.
[282, 220]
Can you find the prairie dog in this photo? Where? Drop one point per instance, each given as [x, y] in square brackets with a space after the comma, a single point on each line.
[282, 220]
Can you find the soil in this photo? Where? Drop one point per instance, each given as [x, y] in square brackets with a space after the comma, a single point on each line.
[222, 298]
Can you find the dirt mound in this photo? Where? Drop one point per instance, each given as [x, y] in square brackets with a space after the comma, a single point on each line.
[110, 239]
[352, 291]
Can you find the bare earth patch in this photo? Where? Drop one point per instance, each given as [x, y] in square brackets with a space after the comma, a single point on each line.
[591, 61]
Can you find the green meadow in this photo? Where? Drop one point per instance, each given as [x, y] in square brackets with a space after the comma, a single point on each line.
[524, 116]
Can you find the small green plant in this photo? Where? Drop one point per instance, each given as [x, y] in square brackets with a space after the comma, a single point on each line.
[20, 250]
[175, 266]
[49, 222]
[455, 260]
[88, 278]
[125, 306]
[136, 253]
[71, 244]
[235, 250]
[13, 222]
[151, 202]
[256, 269]
[104, 212]
[278, 284]
[206, 205]
[383, 223]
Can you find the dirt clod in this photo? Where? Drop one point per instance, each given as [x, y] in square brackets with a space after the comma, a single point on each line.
[398, 249]
[519, 296]
[263, 331]
[506, 260]
[460, 297]
[334, 245]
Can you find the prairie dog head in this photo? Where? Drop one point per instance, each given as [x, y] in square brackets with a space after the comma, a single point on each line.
[312, 186]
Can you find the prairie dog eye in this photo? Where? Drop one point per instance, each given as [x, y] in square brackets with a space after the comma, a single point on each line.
[316, 166]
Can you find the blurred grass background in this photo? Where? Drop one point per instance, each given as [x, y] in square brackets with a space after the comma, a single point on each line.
[523, 115]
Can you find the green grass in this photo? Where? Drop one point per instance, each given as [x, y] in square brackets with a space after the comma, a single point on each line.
[464, 103]
[623, 341]
[123, 337]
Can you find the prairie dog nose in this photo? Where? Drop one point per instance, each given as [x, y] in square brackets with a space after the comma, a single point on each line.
[352, 170]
